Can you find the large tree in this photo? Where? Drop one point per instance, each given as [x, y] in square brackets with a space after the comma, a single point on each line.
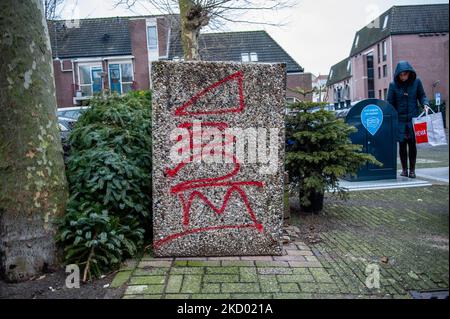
[197, 14]
[33, 187]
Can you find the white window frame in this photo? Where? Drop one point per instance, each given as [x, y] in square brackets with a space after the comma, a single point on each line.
[384, 50]
[253, 57]
[356, 41]
[90, 65]
[155, 48]
[245, 55]
[120, 71]
[385, 22]
[153, 53]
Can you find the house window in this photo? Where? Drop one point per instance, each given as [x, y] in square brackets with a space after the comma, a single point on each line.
[384, 50]
[291, 100]
[385, 71]
[356, 41]
[90, 79]
[379, 72]
[253, 57]
[152, 38]
[245, 57]
[378, 53]
[349, 65]
[386, 19]
[385, 92]
[380, 96]
[121, 77]
[370, 76]
[331, 74]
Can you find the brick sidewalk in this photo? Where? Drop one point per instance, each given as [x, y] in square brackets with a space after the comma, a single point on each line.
[227, 277]
[403, 232]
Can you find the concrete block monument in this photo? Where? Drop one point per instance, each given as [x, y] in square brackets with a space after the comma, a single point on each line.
[218, 158]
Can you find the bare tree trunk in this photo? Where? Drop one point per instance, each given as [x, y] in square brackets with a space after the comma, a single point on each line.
[193, 18]
[33, 186]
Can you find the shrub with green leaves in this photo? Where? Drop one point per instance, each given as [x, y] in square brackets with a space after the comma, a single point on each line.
[319, 150]
[109, 174]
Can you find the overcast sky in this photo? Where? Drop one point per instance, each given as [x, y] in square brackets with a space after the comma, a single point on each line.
[317, 33]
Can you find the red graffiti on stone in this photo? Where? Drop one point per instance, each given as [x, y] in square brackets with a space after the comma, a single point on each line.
[190, 190]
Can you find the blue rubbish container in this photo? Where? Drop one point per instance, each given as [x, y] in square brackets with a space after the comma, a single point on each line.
[376, 122]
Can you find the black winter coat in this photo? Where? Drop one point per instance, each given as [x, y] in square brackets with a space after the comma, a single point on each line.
[403, 96]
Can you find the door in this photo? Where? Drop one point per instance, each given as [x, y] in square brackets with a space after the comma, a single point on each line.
[114, 78]
[96, 80]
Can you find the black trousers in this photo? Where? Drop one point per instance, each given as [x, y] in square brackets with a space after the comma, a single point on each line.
[408, 150]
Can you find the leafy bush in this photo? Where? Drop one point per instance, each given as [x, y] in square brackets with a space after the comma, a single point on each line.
[319, 151]
[109, 174]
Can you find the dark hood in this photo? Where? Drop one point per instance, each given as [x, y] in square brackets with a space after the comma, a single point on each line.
[404, 66]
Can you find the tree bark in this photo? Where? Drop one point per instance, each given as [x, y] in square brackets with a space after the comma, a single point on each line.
[193, 18]
[33, 186]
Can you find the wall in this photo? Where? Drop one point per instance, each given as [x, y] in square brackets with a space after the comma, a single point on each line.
[63, 84]
[138, 39]
[429, 56]
[359, 71]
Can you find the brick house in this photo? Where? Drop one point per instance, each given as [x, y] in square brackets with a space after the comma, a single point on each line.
[91, 55]
[416, 33]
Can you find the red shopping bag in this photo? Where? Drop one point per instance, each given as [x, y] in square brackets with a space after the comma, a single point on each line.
[421, 132]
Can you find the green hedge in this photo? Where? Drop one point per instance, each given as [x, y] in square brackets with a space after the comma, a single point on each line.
[109, 174]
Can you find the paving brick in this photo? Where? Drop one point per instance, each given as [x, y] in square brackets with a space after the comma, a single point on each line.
[177, 296]
[257, 258]
[289, 258]
[248, 274]
[187, 270]
[269, 283]
[149, 271]
[221, 278]
[210, 288]
[120, 278]
[289, 287]
[275, 271]
[180, 263]
[311, 258]
[321, 275]
[238, 263]
[191, 284]
[144, 289]
[211, 296]
[292, 296]
[154, 263]
[174, 284]
[252, 296]
[225, 258]
[295, 278]
[240, 287]
[272, 264]
[307, 264]
[147, 280]
[155, 296]
[222, 270]
[206, 263]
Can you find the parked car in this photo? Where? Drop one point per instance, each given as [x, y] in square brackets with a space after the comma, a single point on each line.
[71, 112]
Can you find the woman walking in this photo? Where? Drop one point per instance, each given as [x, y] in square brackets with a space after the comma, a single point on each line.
[404, 93]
